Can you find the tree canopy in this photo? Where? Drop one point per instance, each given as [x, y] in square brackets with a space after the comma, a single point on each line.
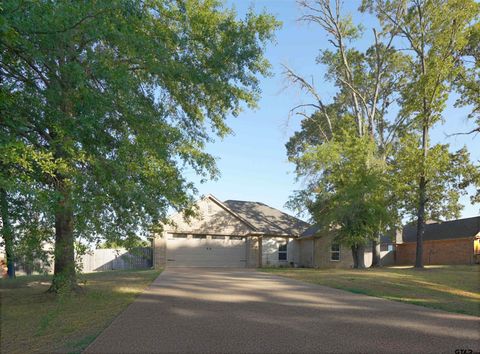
[105, 105]
[366, 158]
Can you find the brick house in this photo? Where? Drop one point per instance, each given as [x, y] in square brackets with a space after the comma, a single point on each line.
[447, 242]
[235, 233]
[231, 233]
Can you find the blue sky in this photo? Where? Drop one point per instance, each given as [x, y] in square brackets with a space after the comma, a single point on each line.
[253, 160]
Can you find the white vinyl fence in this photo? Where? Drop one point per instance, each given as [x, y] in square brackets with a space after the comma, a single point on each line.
[97, 260]
[100, 260]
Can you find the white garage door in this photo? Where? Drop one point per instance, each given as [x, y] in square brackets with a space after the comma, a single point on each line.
[202, 252]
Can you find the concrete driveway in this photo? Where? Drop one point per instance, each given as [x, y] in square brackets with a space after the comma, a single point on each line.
[225, 311]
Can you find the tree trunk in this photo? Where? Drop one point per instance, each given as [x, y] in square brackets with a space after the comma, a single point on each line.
[422, 186]
[64, 277]
[361, 257]
[7, 233]
[358, 257]
[420, 223]
[376, 256]
[422, 197]
[355, 257]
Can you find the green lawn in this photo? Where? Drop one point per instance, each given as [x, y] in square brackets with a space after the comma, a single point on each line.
[450, 288]
[33, 321]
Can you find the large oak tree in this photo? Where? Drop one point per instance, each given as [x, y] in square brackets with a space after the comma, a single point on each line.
[108, 103]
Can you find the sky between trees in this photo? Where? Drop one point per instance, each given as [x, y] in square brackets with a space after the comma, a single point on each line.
[253, 161]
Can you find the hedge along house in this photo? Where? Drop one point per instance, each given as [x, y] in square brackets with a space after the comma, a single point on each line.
[233, 233]
[317, 249]
[448, 242]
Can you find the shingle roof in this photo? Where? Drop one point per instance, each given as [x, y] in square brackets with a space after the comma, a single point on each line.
[267, 219]
[445, 230]
[311, 231]
[314, 230]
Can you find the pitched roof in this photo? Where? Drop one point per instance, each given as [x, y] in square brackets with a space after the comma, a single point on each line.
[314, 231]
[311, 231]
[445, 230]
[266, 219]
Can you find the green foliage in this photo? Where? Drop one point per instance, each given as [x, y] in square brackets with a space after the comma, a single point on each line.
[110, 103]
[340, 152]
[441, 35]
[348, 189]
[448, 174]
[435, 36]
[467, 82]
[362, 164]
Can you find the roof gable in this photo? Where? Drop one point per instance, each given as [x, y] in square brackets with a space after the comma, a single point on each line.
[237, 217]
[212, 218]
[225, 206]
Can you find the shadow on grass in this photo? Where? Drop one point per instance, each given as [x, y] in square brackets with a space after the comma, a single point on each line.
[450, 288]
[36, 321]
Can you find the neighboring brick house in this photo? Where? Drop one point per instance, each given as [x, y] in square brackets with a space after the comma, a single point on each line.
[447, 242]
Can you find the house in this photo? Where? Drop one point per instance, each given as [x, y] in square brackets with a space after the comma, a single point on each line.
[318, 249]
[232, 233]
[238, 233]
[447, 242]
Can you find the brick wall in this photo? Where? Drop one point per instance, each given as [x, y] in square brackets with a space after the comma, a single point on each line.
[304, 249]
[457, 251]
[319, 248]
[323, 255]
[270, 247]
[253, 251]
[160, 251]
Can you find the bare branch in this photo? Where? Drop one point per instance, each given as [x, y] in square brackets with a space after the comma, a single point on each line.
[305, 105]
[297, 79]
[403, 30]
[318, 125]
[476, 131]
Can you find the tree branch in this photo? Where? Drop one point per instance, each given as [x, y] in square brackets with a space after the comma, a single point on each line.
[297, 79]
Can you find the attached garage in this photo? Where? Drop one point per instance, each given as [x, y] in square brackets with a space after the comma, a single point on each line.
[206, 251]
[232, 233]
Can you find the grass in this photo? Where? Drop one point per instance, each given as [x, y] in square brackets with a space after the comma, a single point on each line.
[449, 288]
[33, 321]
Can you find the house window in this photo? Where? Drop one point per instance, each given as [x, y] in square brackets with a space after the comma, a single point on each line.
[239, 238]
[218, 237]
[200, 236]
[180, 236]
[335, 252]
[282, 252]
